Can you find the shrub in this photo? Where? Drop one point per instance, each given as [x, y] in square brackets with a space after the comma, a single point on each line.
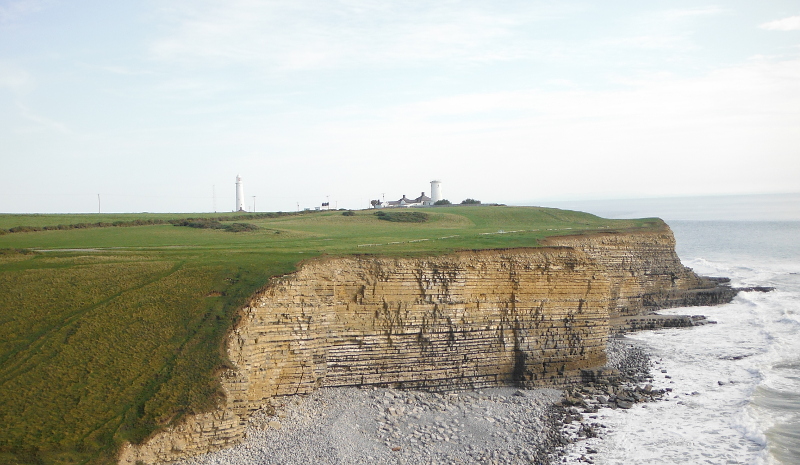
[470, 202]
[442, 202]
[403, 217]
[240, 227]
[204, 223]
[16, 229]
[200, 223]
[348, 213]
[14, 251]
[207, 222]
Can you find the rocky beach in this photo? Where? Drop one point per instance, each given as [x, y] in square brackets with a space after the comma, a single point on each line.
[502, 425]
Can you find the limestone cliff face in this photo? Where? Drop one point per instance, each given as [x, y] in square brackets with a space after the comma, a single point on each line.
[465, 320]
[644, 270]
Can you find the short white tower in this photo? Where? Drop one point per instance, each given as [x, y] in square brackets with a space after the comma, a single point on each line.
[436, 191]
[239, 194]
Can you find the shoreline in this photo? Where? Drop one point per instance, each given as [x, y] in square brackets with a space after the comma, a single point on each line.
[382, 426]
[629, 386]
[497, 425]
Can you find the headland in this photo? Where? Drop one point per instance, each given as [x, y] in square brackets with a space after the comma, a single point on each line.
[206, 325]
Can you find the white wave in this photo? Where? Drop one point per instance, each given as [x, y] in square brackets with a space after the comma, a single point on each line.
[745, 369]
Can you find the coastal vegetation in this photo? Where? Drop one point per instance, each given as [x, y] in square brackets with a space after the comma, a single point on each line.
[403, 216]
[47, 222]
[204, 223]
[111, 332]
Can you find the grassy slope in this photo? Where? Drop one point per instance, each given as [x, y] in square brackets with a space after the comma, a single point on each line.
[52, 219]
[122, 336]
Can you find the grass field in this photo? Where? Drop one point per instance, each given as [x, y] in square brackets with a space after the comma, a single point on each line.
[110, 333]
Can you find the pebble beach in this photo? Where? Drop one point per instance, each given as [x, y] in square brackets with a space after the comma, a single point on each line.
[369, 425]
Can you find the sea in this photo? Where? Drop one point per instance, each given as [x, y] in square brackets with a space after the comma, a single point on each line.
[735, 384]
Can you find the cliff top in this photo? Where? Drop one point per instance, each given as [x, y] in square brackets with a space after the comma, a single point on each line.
[442, 229]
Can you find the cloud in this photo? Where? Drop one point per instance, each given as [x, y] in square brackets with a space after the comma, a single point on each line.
[791, 23]
[691, 13]
[332, 34]
[761, 86]
[48, 123]
[16, 9]
[731, 130]
[648, 42]
[13, 77]
[122, 70]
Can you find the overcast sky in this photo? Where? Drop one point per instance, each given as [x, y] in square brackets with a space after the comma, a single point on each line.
[158, 105]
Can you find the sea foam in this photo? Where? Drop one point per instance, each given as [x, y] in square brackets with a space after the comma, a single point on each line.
[735, 384]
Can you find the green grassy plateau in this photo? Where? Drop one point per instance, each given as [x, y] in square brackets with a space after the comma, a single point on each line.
[109, 333]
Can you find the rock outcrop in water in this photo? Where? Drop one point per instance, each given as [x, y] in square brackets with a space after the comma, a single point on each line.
[530, 317]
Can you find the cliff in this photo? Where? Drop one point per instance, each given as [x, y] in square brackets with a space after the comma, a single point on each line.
[646, 273]
[532, 317]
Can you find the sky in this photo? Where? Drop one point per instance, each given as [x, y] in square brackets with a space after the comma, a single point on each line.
[157, 105]
[748, 207]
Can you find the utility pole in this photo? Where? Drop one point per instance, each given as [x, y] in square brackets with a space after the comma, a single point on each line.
[98, 203]
[254, 204]
[328, 198]
[214, 197]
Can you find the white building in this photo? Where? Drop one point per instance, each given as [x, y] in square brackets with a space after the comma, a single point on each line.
[421, 201]
[239, 194]
[436, 191]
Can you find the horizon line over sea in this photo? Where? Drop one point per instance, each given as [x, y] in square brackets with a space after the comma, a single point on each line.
[752, 207]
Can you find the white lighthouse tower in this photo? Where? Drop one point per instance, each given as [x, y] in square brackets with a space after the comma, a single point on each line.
[239, 194]
[436, 191]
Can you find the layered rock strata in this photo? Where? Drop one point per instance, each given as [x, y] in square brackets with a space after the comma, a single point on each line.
[629, 324]
[530, 317]
[644, 270]
[467, 320]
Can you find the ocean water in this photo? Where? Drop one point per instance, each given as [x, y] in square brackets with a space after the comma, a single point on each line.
[736, 384]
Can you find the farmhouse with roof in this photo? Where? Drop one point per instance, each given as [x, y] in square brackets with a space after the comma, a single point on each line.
[421, 201]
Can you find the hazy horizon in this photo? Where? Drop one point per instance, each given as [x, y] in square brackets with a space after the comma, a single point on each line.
[765, 207]
[157, 106]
